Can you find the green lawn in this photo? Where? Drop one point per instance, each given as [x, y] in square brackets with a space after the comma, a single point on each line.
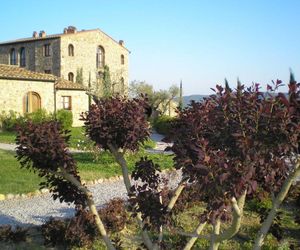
[16, 180]
[78, 139]
[7, 137]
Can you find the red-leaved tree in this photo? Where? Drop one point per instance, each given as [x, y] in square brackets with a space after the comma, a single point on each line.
[43, 149]
[235, 143]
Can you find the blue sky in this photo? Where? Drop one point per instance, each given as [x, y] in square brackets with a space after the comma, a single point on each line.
[200, 42]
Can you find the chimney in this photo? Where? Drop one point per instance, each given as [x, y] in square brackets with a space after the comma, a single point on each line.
[35, 34]
[71, 30]
[42, 33]
[121, 42]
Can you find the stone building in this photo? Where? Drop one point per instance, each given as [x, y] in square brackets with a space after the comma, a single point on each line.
[72, 55]
[25, 91]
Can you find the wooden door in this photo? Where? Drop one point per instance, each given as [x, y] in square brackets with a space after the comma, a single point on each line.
[35, 102]
[32, 102]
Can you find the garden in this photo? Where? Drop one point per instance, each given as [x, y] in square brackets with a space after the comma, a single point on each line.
[237, 153]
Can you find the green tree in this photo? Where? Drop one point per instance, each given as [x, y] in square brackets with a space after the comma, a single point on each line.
[79, 75]
[106, 82]
[180, 103]
[158, 100]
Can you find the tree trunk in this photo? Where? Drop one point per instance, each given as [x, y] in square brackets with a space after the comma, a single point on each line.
[238, 208]
[175, 196]
[192, 240]
[92, 207]
[214, 244]
[276, 204]
[122, 162]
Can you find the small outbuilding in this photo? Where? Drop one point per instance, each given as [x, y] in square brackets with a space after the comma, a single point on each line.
[26, 91]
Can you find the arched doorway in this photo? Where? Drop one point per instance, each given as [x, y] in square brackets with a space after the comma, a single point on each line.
[32, 102]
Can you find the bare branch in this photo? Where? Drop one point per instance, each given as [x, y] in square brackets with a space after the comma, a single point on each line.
[276, 204]
[197, 232]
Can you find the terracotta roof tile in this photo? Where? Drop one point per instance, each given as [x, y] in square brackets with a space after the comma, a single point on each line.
[64, 84]
[15, 72]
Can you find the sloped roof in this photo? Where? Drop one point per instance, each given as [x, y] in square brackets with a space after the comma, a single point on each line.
[65, 84]
[30, 39]
[15, 72]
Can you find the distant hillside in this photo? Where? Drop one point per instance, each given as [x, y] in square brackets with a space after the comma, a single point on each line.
[187, 99]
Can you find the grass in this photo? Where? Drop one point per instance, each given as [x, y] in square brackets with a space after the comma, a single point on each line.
[16, 180]
[187, 221]
[78, 139]
[13, 178]
[77, 135]
[7, 137]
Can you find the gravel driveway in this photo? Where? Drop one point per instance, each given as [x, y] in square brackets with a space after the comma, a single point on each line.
[38, 209]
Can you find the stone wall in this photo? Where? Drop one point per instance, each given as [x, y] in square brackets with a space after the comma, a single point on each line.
[12, 93]
[85, 48]
[35, 59]
[79, 101]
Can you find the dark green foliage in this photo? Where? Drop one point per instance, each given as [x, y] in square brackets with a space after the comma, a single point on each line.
[65, 117]
[163, 124]
[117, 121]
[114, 215]
[79, 76]
[9, 235]
[9, 121]
[43, 148]
[106, 81]
[38, 116]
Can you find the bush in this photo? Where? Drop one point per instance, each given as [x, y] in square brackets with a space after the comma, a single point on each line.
[163, 124]
[53, 232]
[9, 235]
[38, 116]
[65, 117]
[10, 120]
[114, 215]
[81, 231]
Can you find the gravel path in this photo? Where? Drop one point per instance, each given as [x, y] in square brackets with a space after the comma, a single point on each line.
[38, 209]
[5, 146]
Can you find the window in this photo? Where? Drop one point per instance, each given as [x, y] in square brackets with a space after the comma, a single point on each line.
[122, 87]
[13, 57]
[32, 102]
[122, 59]
[47, 71]
[47, 49]
[71, 77]
[66, 102]
[71, 50]
[22, 57]
[100, 57]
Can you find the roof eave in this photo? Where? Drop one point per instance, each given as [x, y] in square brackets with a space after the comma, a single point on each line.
[27, 79]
